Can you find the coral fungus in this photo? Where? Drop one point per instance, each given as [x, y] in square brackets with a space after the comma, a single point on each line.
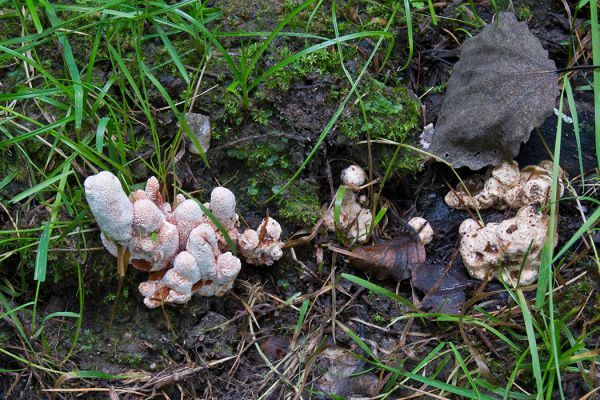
[183, 248]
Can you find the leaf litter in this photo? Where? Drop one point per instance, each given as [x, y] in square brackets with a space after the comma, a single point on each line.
[502, 88]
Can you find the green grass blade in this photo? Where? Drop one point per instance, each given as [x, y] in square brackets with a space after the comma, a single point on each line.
[337, 207]
[573, 110]
[461, 362]
[377, 289]
[301, 317]
[548, 250]
[8, 179]
[34, 15]
[276, 31]
[100, 129]
[323, 45]
[531, 339]
[220, 227]
[173, 53]
[380, 214]
[596, 59]
[545, 273]
[432, 13]
[71, 65]
[463, 393]
[173, 108]
[582, 230]
[234, 68]
[39, 187]
[409, 30]
[41, 258]
[361, 343]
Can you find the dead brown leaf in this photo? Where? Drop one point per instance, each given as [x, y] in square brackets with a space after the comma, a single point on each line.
[391, 259]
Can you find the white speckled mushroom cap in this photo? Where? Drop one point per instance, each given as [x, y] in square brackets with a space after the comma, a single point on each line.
[147, 217]
[110, 205]
[273, 229]
[203, 252]
[184, 273]
[187, 216]
[222, 205]
[507, 173]
[354, 177]
[248, 242]
[423, 228]
[228, 268]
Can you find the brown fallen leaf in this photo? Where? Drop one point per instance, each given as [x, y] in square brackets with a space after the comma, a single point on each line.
[391, 259]
[503, 86]
[444, 288]
[275, 347]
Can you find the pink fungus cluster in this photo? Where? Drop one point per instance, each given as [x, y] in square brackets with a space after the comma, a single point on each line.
[181, 247]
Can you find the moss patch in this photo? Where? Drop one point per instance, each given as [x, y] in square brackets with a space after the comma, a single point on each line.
[386, 113]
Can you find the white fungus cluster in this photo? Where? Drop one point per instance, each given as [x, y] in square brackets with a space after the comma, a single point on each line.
[182, 247]
[354, 217]
[510, 250]
[508, 187]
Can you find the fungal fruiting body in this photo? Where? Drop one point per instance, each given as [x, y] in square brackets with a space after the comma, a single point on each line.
[182, 248]
[500, 249]
[262, 246]
[354, 218]
[508, 187]
[510, 250]
[422, 228]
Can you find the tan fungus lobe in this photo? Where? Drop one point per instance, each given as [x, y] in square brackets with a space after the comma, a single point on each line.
[423, 229]
[499, 249]
[355, 219]
[507, 187]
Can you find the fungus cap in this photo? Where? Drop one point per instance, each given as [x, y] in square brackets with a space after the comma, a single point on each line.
[147, 217]
[110, 205]
[354, 177]
[423, 229]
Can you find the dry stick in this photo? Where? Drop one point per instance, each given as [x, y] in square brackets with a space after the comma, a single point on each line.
[197, 88]
[303, 266]
[333, 295]
[122, 262]
[248, 307]
[92, 390]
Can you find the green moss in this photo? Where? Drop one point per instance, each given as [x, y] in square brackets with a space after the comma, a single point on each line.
[88, 341]
[300, 203]
[321, 61]
[523, 12]
[391, 113]
[133, 360]
[379, 319]
[571, 299]
[267, 167]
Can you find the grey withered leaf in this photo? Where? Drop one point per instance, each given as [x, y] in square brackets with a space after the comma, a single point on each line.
[502, 87]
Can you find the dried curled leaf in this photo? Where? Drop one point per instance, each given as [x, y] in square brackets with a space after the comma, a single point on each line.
[502, 87]
[404, 258]
[444, 288]
[390, 259]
